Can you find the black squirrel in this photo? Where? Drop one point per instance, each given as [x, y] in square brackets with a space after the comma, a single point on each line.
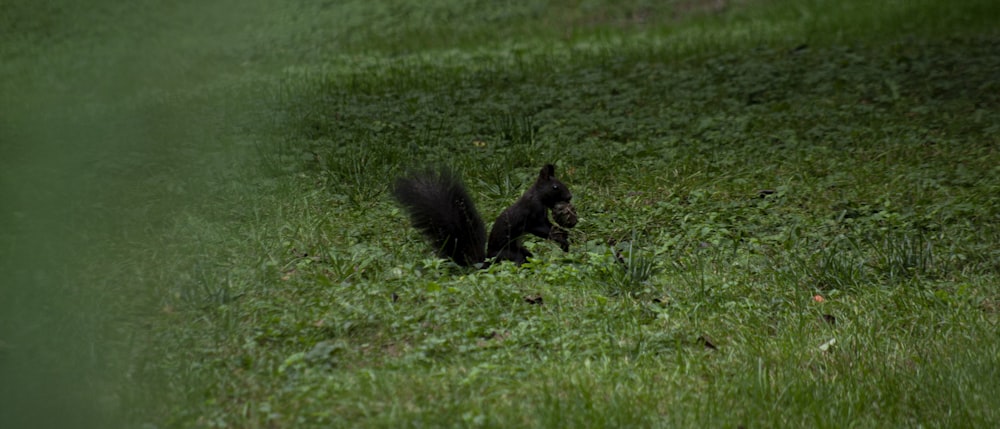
[440, 207]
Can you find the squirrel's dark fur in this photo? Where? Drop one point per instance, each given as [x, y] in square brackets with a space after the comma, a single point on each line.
[440, 208]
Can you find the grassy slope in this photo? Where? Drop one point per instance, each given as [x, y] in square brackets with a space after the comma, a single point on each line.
[241, 256]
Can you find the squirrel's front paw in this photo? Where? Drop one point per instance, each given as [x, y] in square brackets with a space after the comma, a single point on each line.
[560, 236]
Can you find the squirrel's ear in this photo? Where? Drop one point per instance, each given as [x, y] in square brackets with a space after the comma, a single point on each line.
[548, 171]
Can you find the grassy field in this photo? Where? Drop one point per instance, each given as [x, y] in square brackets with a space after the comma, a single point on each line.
[789, 214]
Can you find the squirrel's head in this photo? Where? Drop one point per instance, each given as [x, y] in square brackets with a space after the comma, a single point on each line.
[549, 189]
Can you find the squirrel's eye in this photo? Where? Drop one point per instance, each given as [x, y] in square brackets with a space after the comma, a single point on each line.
[555, 186]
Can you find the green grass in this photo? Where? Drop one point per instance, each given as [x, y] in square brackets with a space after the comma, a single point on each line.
[198, 231]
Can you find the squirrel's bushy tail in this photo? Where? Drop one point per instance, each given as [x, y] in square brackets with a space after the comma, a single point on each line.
[440, 208]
